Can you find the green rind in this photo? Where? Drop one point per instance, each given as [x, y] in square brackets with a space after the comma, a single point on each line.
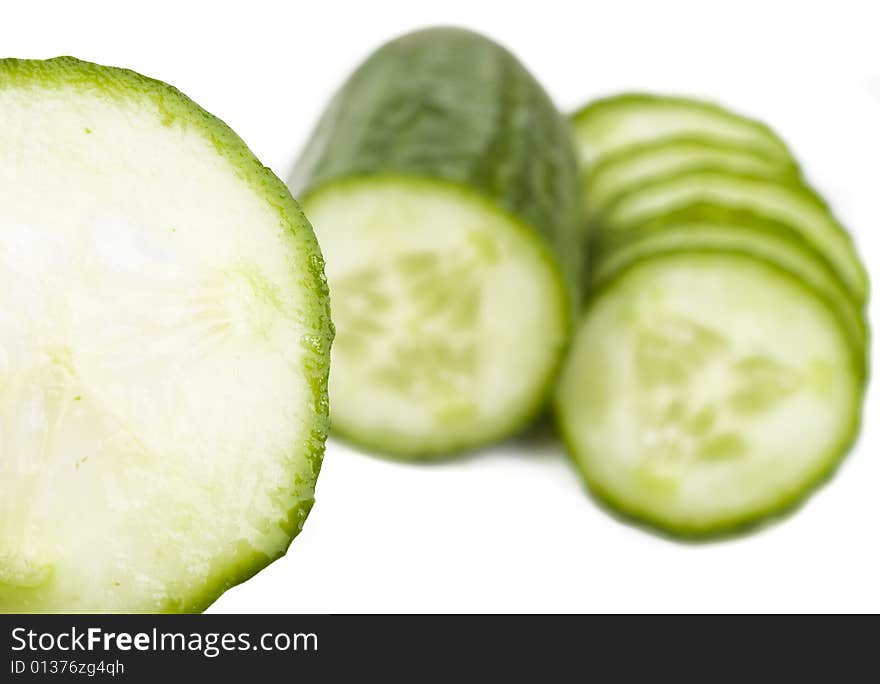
[178, 110]
[732, 525]
[762, 136]
[852, 274]
[396, 450]
[716, 153]
[451, 105]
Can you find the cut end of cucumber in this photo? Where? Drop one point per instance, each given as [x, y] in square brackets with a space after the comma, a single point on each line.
[451, 317]
[705, 391]
[163, 348]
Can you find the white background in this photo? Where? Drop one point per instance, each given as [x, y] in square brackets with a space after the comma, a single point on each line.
[513, 530]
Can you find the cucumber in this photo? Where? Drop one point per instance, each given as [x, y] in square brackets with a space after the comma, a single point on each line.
[627, 170]
[792, 203]
[612, 124]
[443, 187]
[164, 348]
[707, 390]
[709, 229]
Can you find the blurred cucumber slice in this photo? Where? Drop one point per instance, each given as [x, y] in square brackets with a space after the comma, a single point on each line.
[714, 230]
[706, 391]
[792, 203]
[627, 170]
[609, 125]
[451, 316]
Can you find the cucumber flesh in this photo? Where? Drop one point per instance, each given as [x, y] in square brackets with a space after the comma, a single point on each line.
[164, 345]
[705, 391]
[791, 203]
[451, 316]
[768, 241]
[615, 123]
[627, 170]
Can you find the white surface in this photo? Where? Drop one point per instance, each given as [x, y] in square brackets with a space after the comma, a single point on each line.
[513, 530]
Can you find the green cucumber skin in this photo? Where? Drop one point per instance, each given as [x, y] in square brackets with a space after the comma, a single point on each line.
[735, 526]
[451, 105]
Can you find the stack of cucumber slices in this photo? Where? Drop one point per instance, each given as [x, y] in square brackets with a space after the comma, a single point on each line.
[717, 370]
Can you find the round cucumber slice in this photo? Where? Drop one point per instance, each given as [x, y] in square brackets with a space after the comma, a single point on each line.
[164, 348]
[612, 124]
[448, 335]
[627, 170]
[792, 203]
[706, 391]
[737, 232]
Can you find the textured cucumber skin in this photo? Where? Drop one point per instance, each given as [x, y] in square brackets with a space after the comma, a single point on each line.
[451, 105]
[177, 109]
[735, 525]
[765, 137]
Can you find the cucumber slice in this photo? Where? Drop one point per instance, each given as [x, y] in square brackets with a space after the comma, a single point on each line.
[609, 125]
[437, 297]
[706, 391]
[736, 232]
[792, 203]
[164, 346]
[443, 187]
[628, 169]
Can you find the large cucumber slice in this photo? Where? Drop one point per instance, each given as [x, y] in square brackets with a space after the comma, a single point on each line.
[705, 391]
[164, 345]
[788, 202]
[443, 188]
[628, 169]
[706, 229]
[609, 125]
